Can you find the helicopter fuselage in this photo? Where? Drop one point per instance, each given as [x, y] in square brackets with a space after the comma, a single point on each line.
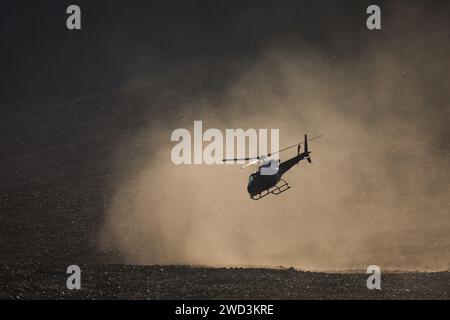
[258, 182]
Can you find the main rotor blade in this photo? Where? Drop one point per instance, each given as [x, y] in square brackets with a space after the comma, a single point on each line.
[294, 145]
[250, 163]
[241, 159]
[272, 153]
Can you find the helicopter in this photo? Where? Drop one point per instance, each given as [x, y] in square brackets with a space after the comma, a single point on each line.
[266, 179]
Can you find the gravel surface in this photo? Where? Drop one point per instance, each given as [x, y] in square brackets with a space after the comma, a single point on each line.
[32, 281]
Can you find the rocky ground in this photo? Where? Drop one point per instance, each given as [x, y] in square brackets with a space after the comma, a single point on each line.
[32, 281]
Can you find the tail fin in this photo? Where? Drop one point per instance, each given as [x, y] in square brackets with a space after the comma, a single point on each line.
[306, 149]
[306, 143]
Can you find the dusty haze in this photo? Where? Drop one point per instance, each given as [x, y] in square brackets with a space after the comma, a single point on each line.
[377, 192]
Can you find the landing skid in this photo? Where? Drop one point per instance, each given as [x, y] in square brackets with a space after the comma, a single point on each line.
[276, 190]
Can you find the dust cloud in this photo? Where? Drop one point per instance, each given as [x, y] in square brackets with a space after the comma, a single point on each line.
[376, 193]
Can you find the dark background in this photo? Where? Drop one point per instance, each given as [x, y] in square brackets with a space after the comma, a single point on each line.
[43, 61]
